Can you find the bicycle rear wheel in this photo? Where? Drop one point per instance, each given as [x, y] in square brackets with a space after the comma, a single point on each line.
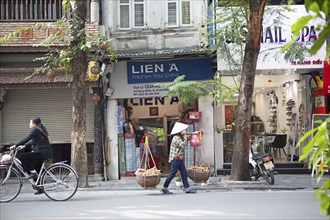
[11, 187]
[60, 182]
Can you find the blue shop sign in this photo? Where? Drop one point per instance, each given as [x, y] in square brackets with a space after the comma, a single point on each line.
[168, 70]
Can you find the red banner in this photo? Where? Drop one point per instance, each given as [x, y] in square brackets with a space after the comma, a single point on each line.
[326, 78]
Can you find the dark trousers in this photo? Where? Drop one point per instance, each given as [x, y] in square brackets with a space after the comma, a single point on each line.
[31, 160]
[175, 166]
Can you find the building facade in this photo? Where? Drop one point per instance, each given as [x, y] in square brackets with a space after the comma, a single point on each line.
[155, 41]
[23, 95]
[284, 93]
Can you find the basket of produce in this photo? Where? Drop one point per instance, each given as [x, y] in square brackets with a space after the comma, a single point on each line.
[148, 178]
[6, 159]
[199, 174]
[145, 176]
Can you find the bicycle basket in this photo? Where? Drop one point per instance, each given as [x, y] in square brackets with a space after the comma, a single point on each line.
[5, 159]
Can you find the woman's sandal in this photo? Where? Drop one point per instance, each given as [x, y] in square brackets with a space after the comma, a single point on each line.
[166, 191]
[190, 191]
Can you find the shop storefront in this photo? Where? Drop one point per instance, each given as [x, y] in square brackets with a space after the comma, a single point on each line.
[53, 106]
[284, 95]
[143, 108]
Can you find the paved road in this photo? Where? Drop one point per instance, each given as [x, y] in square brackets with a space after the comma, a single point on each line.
[150, 204]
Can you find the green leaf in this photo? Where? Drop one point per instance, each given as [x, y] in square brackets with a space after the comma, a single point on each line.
[325, 6]
[320, 41]
[187, 91]
[300, 24]
[322, 194]
[288, 45]
[305, 136]
[314, 7]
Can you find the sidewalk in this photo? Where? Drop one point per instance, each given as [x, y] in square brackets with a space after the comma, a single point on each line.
[219, 183]
[282, 182]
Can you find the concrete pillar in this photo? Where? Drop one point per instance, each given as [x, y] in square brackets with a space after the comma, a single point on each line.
[206, 124]
[95, 11]
[113, 168]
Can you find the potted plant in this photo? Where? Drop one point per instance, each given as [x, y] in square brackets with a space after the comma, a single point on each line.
[50, 73]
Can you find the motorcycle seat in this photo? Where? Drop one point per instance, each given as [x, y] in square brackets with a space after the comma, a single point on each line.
[259, 155]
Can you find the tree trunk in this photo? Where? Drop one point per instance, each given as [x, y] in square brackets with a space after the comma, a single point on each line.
[78, 133]
[240, 161]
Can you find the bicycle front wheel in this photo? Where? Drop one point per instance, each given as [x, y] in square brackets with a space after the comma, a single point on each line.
[60, 182]
[9, 187]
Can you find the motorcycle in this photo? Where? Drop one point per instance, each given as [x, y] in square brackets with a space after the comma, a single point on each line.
[262, 165]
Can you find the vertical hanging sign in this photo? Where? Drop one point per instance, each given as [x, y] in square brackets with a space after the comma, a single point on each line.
[326, 78]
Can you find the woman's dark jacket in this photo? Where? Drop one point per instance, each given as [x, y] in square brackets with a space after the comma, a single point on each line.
[39, 142]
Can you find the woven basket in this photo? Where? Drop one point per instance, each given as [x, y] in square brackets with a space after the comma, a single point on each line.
[148, 181]
[198, 176]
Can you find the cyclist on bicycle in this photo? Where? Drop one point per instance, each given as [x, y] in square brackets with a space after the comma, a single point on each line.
[37, 148]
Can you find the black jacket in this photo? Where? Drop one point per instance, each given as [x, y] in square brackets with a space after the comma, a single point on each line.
[39, 142]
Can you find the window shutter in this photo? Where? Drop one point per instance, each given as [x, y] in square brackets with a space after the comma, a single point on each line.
[124, 14]
[139, 15]
[172, 16]
[185, 12]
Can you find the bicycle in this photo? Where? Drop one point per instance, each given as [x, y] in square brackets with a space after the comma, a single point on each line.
[58, 181]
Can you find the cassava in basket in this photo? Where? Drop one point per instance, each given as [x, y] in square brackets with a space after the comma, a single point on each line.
[198, 176]
[148, 181]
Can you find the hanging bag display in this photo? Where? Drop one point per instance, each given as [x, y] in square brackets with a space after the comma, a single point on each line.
[196, 139]
[198, 173]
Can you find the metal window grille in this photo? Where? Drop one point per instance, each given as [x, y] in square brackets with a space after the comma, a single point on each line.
[22, 10]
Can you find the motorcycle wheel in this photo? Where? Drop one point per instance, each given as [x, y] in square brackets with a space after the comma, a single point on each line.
[269, 177]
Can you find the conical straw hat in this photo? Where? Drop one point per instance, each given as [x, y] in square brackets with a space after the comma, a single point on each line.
[178, 127]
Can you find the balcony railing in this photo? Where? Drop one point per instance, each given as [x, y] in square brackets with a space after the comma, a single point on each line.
[25, 10]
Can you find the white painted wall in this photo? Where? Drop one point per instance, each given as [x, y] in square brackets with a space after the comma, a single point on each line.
[155, 34]
[95, 11]
[113, 168]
